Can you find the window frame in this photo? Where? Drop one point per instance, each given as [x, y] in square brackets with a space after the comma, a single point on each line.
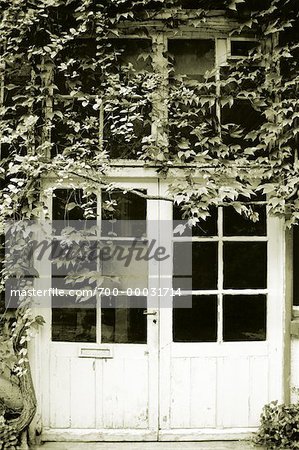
[221, 291]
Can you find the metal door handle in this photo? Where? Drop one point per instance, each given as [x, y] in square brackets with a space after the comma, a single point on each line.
[150, 313]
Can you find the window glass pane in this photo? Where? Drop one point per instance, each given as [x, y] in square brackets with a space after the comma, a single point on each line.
[124, 320]
[244, 317]
[78, 69]
[234, 82]
[71, 206]
[76, 130]
[126, 125]
[238, 120]
[196, 4]
[127, 113]
[203, 265]
[129, 209]
[235, 224]
[196, 324]
[242, 48]
[74, 325]
[245, 265]
[17, 82]
[206, 227]
[135, 52]
[192, 57]
[296, 265]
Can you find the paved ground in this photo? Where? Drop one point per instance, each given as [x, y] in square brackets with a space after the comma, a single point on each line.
[228, 445]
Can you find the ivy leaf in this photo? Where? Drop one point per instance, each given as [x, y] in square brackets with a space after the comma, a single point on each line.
[233, 4]
[179, 229]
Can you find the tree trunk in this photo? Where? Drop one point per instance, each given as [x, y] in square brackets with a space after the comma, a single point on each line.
[29, 402]
[10, 395]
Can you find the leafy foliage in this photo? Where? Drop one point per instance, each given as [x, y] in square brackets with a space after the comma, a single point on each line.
[279, 427]
[76, 97]
[8, 436]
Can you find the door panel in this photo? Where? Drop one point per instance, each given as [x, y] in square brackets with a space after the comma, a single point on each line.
[212, 365]
[216, 357]
[103, 365]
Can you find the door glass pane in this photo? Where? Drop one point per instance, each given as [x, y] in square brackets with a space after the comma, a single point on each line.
[124, 321]
[192, 57]
[244, 317]
[196, 324]
[245, 265]
[200, 272]
[207, 227]
[126, 213]
[73, 264]
[121, 266]
[235, 224]
[74, 324]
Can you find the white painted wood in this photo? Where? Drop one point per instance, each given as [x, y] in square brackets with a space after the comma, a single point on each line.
[60, 393]
[98, 435]
[258, 388]
[180, 393]
[208, 434]
[233, 379]
[294, 381]
[204, 390]
[203, 395]
[234, 394]
[82, 393]
[276, 307]
[113, 394]
[165, 217]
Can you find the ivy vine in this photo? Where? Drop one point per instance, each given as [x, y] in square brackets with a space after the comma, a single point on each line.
[74, 98]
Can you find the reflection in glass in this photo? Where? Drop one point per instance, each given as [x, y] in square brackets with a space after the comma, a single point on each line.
[124, 264]
[245, 265]
[129, 209]
[244, 317]
[71, 207]
[207, 227]
[196, 324]
[74, 325]
[66, 138]
[242, 48]
[73, 263]
[235, 224]
[136, 52]
[192, 57]
[200, 269]
[238, 120]
[122, 322]
[76, 60]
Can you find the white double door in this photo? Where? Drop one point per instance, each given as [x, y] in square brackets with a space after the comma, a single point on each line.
[156, 386]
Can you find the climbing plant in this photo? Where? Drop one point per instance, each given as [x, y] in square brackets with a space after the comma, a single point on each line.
[74, 98]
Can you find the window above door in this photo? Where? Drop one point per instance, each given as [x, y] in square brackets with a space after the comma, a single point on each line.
[120, 108]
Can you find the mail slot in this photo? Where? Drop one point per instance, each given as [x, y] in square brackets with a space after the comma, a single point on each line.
[95, 353]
